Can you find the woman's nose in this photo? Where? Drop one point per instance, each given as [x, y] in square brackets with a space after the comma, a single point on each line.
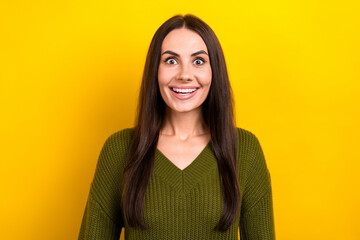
[185, 73]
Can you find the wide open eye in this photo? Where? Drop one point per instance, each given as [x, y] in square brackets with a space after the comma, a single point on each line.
[199, 61]
[171, 61]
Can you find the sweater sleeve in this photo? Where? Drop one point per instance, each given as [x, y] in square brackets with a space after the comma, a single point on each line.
[102, 219]
[257, 220]
[96, 223]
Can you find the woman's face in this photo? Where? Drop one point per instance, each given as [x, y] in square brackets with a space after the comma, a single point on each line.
[184, 73]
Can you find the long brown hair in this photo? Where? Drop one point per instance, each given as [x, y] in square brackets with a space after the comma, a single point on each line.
[217, 112]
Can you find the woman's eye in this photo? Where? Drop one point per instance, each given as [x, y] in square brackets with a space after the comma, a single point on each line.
[171, 61]
[199, 61]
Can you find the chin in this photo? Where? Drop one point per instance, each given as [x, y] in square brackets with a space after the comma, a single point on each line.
[184, 109]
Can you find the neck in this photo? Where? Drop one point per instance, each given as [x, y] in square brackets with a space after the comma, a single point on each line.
[184, 125]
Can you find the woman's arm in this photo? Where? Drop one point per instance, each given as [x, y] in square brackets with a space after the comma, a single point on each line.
[257, 219]
[102, 217]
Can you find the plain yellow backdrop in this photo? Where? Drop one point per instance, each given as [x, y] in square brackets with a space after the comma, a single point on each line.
[70, 74]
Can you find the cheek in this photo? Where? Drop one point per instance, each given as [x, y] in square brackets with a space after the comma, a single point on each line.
[165, 75]
[205, 77]
[160, 76]
[163, 81]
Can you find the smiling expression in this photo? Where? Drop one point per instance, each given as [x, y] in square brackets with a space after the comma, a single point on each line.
[184, 74]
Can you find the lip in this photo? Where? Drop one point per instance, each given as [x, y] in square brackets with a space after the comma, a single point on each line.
[184, 87]
[184, 96]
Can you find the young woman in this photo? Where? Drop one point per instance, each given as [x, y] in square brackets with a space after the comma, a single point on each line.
[184, 171]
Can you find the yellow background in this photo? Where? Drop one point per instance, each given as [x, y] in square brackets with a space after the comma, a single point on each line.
[70, 73]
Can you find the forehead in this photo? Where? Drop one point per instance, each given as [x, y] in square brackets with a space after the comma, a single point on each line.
[183, 41]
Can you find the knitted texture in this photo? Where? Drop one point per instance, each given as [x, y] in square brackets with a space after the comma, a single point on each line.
[180, 204]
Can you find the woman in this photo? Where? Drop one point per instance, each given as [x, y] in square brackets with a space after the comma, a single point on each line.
[184, 171]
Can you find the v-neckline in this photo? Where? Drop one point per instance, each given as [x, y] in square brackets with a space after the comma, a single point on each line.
[182, 170]
[184, 180]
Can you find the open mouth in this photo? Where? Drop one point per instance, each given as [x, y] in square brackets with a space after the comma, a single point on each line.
[184, 90]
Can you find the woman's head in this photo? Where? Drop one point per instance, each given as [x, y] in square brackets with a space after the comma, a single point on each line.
[152, 96]
[184, 72]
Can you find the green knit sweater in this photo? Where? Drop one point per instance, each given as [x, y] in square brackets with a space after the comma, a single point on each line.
[180, 204]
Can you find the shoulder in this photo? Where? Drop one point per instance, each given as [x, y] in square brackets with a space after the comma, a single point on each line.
[115, 149]
[118, 141]
[251, 159]
[122, 136]
[248, 145]
[243, 132]
[247, 140]
[111, 160]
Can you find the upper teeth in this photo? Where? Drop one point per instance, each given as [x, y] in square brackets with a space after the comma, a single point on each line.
[184, 90]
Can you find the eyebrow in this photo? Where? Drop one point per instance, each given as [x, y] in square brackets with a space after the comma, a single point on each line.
[176, 54]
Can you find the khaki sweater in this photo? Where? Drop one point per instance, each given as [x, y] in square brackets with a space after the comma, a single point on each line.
[180, 204]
